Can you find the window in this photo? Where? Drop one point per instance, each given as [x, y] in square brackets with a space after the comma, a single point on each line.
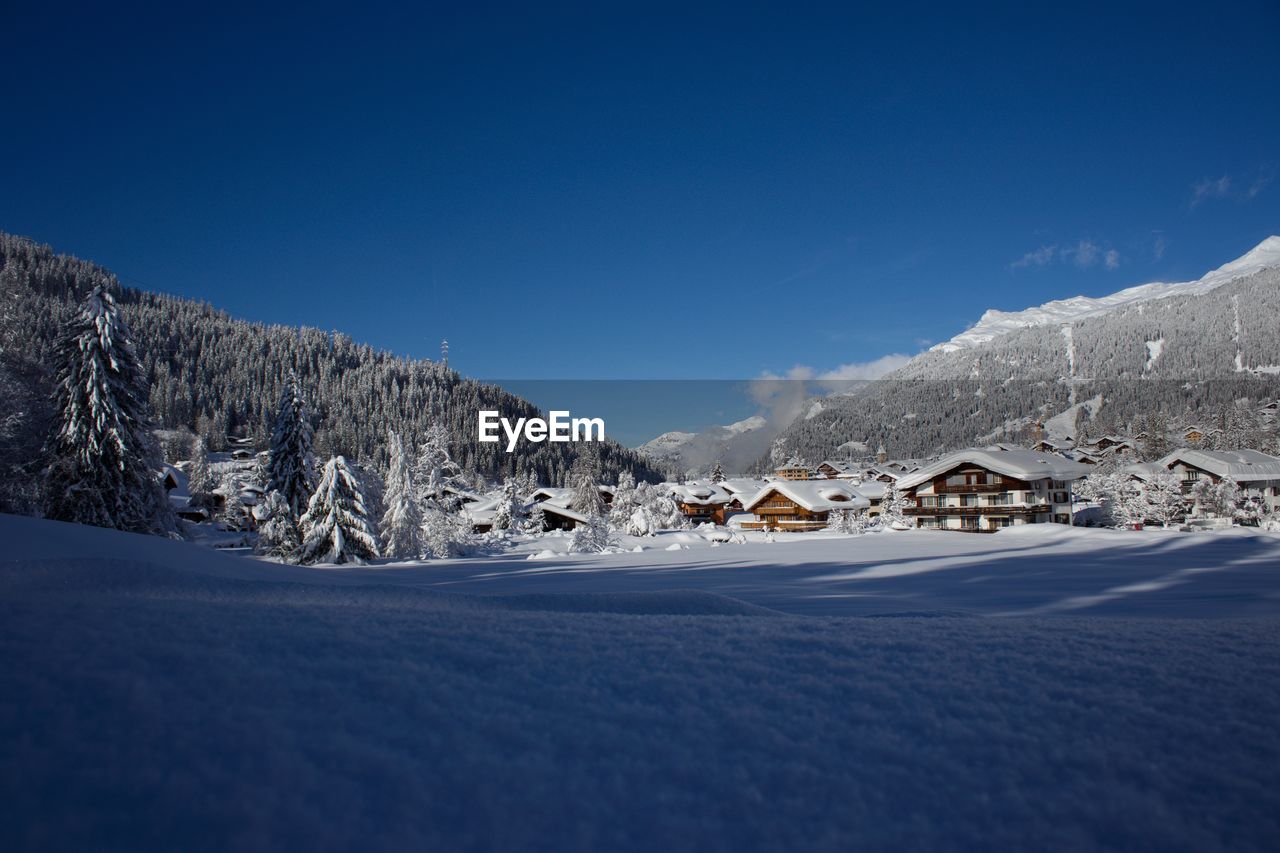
[968, 500]
[969, 522]
[1002, 521]
[1002, 499]
[923, 500]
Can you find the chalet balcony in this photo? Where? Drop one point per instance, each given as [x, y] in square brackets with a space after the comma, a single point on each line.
[1009, 509]
[978, 488]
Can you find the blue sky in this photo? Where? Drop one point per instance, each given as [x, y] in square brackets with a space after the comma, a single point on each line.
[642, 191]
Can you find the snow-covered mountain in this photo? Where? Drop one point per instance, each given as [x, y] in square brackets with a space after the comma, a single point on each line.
[1179, 352]
[734, 445]
[1063, 311]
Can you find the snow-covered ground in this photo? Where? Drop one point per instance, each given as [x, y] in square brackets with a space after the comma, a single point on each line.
[158, 695]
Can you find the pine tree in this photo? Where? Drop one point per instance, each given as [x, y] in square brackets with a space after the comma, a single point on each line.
[233, 514]
[624, 504]
[536, 522]
[717, 473]
[509, 513]
[584, 480]
[402, 521]
[103, 461]
[291, 468]
[200, 480]
[335, 528]
[435, 472]
[277, 530]
[892, 508]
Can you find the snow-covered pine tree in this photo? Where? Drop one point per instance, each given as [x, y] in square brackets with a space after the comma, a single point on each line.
[200, 478]
[435, 472]
[892, 508]
[233, 514]
[277, 530]
[102, 461]
[509, 515]
[402, 521]
[335, 527]
[536, 521]
[838, 521]
[717, 473]
[624, 503]
[584, 479]
[291, 468]
[1163, 498]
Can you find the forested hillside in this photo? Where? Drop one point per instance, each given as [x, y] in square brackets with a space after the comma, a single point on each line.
[1156, 365]
[221, 376]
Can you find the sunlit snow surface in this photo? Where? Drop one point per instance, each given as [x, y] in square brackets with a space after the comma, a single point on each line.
[160, 696]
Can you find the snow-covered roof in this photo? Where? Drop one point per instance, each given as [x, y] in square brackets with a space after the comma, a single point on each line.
[562, 511]
[741, 487]
[792, 463]
[552, 495]
[814, 495]
[1240, 466]
[1143, 471]
[1023, 464]
[840, 466]
[698, 493]
[872, 490]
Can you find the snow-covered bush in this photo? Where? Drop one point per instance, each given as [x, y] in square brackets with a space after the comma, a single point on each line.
[444, 531]
[592, 537]
[1162, 500]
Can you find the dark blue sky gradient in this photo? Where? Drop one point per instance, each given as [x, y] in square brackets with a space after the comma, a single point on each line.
[641, 190]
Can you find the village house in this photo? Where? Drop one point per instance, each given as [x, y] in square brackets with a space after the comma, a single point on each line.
[794, 469]
[984, 490]
[833, 469]
[1255, 473]
[800, 504]
[700, 502]
[740, 490]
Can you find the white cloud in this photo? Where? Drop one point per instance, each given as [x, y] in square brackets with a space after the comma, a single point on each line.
[873, 369]
[1084, 254]
[1226, 187]
[1158, 246]
[1208, 188]
[1036, 258]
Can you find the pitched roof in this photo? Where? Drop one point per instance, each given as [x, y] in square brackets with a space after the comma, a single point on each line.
[1241, 466]
[1022, 464]
[740, 487]
[698, 493]
[814, 495]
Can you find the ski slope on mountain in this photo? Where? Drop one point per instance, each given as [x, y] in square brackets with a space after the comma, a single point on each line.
[162, 697]
[1061, 311]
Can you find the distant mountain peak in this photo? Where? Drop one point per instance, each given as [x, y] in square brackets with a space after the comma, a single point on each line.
[994, 323]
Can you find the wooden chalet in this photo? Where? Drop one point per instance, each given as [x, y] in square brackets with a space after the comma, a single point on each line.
[800, 505]
[984, 490]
